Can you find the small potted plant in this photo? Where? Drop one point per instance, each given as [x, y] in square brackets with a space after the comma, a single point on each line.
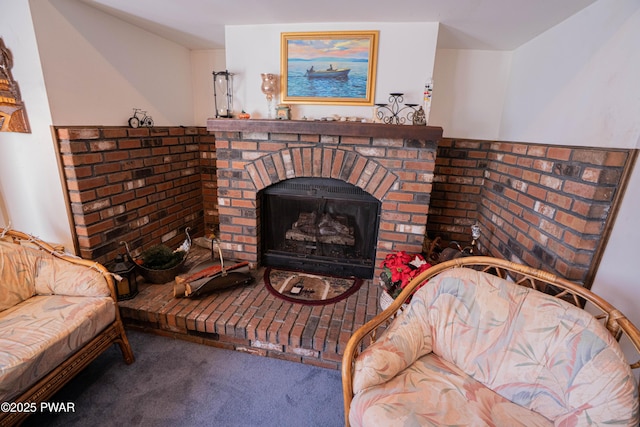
[160, 264]
[399, 269]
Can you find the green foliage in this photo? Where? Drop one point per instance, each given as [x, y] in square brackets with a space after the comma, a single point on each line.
[160, 257]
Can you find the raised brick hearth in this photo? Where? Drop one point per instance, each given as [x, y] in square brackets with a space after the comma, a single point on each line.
[251, 319]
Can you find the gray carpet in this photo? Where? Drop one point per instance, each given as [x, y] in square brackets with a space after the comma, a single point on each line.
[178, 383]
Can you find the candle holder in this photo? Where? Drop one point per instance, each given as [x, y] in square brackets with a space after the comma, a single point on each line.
[126, 278]
[475, 235]
[223, 87]
[395, 112]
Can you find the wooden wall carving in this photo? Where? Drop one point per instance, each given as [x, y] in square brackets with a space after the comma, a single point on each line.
[13, 116]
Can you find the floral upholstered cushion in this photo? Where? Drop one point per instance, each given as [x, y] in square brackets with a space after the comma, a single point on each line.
[543, 354]
[17, 275]
[58, 277]
[42, 332]
[434, 392]
[25, 271]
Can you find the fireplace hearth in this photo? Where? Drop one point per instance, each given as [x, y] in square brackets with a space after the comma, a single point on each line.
[320, 225]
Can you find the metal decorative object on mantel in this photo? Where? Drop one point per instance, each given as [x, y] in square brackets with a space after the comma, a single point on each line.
[397, 113]
[140, 118]
[223, 89]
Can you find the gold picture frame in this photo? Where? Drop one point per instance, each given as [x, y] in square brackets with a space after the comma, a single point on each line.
[329, 67]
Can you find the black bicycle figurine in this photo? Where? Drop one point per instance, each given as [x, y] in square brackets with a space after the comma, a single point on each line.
[140, 118]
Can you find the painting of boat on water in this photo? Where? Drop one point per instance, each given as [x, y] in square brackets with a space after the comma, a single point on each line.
[329, 67]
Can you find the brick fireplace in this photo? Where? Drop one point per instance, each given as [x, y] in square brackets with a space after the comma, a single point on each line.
[392, 163]
[146, 185]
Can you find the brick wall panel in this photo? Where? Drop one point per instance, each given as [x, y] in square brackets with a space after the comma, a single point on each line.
[552, 191]
[129, 174]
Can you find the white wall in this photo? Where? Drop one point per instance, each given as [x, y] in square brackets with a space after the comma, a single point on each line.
[577, 84]
[30, 188]
[468, 92]
[617, 276]
[573, 85]
[406, 55]
[203, 64]
[97, 68]
[78, 66]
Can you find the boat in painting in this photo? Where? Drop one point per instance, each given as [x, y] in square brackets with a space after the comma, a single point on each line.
[328, 73]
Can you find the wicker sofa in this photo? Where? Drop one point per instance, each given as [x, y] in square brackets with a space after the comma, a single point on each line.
[57, 314]
[486, 342]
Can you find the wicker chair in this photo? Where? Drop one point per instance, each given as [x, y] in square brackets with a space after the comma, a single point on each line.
[615, 322]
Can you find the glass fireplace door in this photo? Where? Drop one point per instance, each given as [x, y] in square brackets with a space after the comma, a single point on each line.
[320, 225]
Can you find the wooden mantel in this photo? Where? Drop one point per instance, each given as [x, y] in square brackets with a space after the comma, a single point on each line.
[373, 130]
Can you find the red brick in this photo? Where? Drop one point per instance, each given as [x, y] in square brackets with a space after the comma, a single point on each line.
[393, 237]
[78, 172]
[536, 192]
[262, 171]
[315, 138]
[559, 153]
[357, 170]
[388, 181]
[616, 159]
[526, 201]
[109, 133]
[78, 133]
[399, 196]
[414, 208]
[577, 241]
[559, 200]
[582, 190]
[138, 132]
[244, 145]
[355, 140]
[570, 221]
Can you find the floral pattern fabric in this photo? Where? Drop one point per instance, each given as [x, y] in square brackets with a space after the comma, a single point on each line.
[474, 349]
[434, 392]
[58, 277]
[25, 272]
[17, 275]
[49, 308]
[42, 332]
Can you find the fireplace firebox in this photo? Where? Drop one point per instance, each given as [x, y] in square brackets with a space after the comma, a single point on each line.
[320, 225]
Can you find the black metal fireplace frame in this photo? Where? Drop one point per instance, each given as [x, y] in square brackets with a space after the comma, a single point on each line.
[324, 190]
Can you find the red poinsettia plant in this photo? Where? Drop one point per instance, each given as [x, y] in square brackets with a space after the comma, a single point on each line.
[399, 269]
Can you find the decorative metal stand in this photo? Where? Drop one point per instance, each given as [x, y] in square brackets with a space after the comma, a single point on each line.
[475, 235]
[395, 112]
[223, 89]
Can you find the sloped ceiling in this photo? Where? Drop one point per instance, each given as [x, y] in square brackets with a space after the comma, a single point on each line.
[465, 24]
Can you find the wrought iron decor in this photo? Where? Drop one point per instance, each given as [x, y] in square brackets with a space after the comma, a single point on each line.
[397, 113]
[223, 93]
[13, 116]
